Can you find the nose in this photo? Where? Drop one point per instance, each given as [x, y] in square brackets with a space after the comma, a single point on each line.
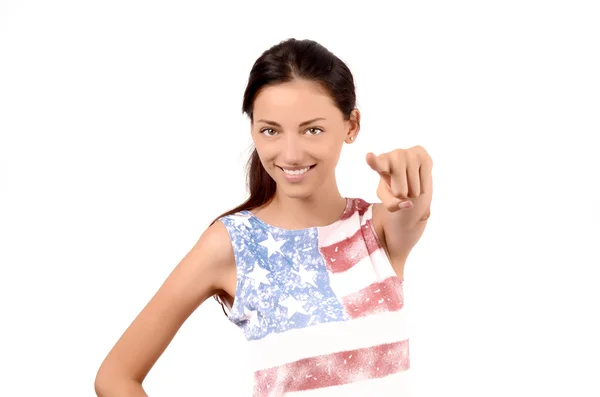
[292, 150]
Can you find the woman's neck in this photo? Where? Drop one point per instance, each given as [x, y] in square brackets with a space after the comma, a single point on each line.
[289, 212]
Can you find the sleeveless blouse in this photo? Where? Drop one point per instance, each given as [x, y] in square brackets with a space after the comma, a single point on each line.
[321, 308]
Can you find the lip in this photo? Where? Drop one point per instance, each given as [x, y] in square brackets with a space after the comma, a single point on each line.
[296, 178]
[297, 168]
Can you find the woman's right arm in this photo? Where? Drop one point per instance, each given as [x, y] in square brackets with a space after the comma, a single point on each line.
[199, 275]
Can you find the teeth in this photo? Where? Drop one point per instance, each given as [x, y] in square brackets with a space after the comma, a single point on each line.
[296, 172]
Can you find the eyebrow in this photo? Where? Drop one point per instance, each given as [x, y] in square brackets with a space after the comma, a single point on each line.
[302, 124]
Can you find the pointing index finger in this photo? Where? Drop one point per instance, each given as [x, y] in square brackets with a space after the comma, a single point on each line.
[379, 164]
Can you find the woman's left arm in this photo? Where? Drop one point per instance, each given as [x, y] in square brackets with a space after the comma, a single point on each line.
[405, 190]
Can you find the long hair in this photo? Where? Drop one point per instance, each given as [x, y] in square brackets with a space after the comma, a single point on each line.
[284, 62]
[290, 59]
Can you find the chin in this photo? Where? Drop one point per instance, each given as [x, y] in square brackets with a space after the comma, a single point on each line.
[299, 196]
[296, 192]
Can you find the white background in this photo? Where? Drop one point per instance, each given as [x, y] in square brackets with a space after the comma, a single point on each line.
[122, 138]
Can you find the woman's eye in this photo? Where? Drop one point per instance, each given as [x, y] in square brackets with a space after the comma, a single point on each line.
[269, 132]
[314, 131]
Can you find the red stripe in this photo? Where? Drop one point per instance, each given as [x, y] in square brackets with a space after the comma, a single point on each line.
[357, 204]
[385, 296]
[370, 236]
[344, 254]
[333, 369]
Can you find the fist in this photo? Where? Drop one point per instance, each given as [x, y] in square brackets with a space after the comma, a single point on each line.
[405, 177]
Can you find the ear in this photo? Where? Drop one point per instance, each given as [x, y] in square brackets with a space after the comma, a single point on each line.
[353, 125]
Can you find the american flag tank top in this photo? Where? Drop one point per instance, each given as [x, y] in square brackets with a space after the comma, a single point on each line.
[322, 308]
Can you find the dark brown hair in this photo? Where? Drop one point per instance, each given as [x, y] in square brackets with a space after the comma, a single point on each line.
[284, 62]
[290, 59]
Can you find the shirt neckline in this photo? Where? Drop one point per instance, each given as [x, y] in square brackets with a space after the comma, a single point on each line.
[347, 209]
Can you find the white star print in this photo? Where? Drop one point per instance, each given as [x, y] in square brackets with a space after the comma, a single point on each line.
[272, 245]
[259, 274]
[252, 317]
[240, 219]
[293, 306]
[306, 276]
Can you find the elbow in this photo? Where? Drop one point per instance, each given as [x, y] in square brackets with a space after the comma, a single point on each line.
[103, 384]
[100, 387]
[111, 385]
[107, 385]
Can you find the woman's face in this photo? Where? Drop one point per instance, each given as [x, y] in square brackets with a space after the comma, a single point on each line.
[298, 132]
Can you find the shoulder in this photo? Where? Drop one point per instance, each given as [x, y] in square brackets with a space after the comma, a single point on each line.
[216, 242]
[211, 259]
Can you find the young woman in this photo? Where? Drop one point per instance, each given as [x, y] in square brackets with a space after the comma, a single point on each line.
[312, 278]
